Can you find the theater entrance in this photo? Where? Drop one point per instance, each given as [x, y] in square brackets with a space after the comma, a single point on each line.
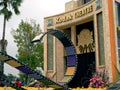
[85, 45]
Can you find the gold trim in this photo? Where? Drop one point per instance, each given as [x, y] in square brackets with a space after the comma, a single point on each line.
[13, 63]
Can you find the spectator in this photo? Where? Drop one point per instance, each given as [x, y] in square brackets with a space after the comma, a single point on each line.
[32, 82]
[38, 85]
[24, 82]
[17, 82]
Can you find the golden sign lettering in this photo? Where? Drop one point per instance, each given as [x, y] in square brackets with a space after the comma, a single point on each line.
[77, 14]
[83, 12]
[64, 19]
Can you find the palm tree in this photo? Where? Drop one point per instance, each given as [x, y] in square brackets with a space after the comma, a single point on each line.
[6, 11]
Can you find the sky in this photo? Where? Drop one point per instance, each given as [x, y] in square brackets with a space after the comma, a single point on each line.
[29, 9]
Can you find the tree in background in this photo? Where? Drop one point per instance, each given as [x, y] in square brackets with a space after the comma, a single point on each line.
[28, 53]
[6, 11]
[7, 7]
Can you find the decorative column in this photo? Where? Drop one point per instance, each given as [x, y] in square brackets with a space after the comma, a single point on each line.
[73, 35]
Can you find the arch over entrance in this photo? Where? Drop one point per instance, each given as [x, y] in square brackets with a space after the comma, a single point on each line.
[70, 52]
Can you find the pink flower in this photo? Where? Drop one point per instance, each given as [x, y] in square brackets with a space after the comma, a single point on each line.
[99, 79]
[97, 86]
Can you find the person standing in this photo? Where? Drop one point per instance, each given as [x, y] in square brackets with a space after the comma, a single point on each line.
[17, 82]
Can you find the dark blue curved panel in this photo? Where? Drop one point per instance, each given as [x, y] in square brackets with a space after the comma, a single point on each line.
[70, 50]
[25, 69]
[71, 60]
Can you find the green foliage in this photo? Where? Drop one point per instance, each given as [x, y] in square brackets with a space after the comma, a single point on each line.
[28, 53]
[6, 6]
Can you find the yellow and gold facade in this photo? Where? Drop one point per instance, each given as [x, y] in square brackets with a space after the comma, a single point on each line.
[93, 27]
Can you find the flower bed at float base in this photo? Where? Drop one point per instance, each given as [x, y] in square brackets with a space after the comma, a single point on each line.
[89, 88]
[33, 88]
[99, 81]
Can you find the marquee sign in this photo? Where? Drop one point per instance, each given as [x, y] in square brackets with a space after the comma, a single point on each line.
[74, 15]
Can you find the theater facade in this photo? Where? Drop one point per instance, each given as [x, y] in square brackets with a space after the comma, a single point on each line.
[94, 28]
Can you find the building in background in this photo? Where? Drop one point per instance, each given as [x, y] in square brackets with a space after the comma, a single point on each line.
[94, 28]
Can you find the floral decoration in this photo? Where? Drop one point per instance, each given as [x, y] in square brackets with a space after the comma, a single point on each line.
[99, 79]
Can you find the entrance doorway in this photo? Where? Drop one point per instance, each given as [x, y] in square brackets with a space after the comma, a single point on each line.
[86, 54]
